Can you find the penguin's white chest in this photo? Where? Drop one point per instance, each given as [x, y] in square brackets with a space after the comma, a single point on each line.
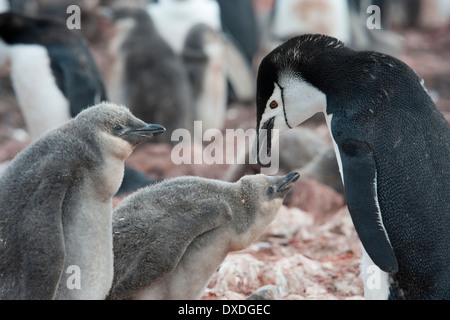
[88, 242]
[328, 118]
[211, 104]
[43, 105]
[88, 237]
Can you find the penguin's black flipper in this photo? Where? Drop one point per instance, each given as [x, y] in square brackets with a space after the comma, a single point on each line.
[32, 265]
[79, 87]
[360, 174]
[43, 258]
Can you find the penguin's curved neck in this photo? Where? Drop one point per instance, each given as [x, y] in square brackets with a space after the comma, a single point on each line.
[324, 63]
[324, 71]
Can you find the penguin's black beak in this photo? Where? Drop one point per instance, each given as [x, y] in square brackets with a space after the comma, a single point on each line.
[288, 181]
[141, 134]
[149, 130]
[264, 138]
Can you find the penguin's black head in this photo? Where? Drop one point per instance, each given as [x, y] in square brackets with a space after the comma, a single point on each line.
[16, 28]
[118, 122]
[288, 87]
[12, 24]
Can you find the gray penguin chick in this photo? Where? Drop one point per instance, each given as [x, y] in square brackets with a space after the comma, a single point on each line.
[147, 75]
[56, 205]
[204, 58]
[170, 238]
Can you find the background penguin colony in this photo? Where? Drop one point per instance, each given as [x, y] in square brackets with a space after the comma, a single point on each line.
[240, 33]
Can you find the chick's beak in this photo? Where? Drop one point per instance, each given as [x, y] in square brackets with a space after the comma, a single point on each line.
[143, 133]
[149, 130]
[288, 181]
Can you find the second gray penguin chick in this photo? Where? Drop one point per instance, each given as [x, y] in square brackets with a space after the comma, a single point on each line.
[170, 238]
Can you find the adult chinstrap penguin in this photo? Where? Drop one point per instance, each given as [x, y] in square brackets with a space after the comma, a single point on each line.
[56, 205]
[393, 151]
[171, 237]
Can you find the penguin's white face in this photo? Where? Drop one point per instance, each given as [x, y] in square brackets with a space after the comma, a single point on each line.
[275, 109]
[292, 102]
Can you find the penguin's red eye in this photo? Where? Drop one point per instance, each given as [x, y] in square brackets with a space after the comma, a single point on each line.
[273, 104]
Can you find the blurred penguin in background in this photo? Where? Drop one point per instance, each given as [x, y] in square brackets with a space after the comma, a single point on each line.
[242, 36]
[378, 37]
[239, 23]
[54, 76]
[147, 75]
[52, 70]
[345, 20]
[222, 53]
[89, 13]
[4, 5]
[294, 17]
[203, 57]
[174, 18]
[21, 6]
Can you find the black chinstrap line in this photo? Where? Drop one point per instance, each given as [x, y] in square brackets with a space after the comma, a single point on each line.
[284, 109]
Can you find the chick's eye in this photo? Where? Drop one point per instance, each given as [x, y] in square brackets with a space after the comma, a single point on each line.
[273, 104]
[118, 128]
[270, 191]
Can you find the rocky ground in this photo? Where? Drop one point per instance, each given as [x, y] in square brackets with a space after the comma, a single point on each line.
[311, 250]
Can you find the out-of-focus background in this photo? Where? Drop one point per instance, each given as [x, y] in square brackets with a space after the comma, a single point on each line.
[176, 61]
